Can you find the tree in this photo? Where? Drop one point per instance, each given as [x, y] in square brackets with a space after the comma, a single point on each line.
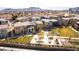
[14, 17]
[30, 19]
[72, 22]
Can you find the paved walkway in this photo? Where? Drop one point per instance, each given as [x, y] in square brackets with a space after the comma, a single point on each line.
[54, 39]
[46, 39]
[35, 37]
[59, 40]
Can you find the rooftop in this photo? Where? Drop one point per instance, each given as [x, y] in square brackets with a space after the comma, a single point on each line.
[36, 17]
[38, 22]
[54, 20]
[77, 22]
[3, 20]
[48, 20]
[18, 24]
[66, 18]
[28, 23]
[21, 18]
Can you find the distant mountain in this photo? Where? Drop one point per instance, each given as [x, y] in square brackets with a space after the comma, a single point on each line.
[34, 9]
[24, 9]
[74, 9]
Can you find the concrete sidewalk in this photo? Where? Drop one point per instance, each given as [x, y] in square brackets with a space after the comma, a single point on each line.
[46, 40]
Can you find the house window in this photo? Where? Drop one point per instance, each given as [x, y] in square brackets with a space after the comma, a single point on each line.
[0, 22]
[35, 38]
[28, 30]
[6, 22]
[32, 29]
[49, 42]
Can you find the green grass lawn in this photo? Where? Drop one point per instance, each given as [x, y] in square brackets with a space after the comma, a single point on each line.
[76, 42]
[64, 31]
[22, 39]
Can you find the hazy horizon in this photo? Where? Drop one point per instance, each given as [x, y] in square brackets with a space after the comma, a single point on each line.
[49, 8]
[44, 4]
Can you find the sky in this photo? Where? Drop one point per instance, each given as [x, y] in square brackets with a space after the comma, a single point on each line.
[45, 4]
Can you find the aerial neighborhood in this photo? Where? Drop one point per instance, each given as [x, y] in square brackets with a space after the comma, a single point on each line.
[37, 27]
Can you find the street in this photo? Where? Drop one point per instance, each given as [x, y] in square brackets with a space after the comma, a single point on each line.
[13, 49]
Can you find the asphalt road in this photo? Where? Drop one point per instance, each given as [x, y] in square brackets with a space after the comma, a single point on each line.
[13, 49]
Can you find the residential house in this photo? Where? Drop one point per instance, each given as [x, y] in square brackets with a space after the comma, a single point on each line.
[66, 21]
[39, 25]
[74, 10]
[55, 22]
[22, 19]
[49, 23]
[6, 16]
[29, 27]
[76, 17]
[35, 18]
[3, 31]
[18, 28]
[5, 28]
[3, 21]
[76, 26]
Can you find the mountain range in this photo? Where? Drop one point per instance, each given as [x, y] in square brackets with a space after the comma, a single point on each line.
[23, 9]
[2, 9]
[74, 9]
